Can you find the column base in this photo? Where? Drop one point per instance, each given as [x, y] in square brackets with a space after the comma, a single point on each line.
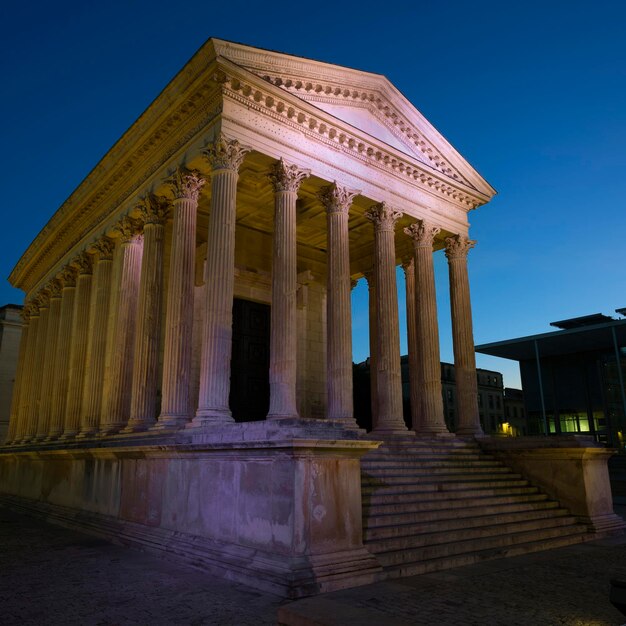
[392, 432]
[138, 426]
[52, 437]
[170, 422]
[434, 432]
[470, 432]
[68, 435]
[207, 417]
[109, 429]
[83, 434]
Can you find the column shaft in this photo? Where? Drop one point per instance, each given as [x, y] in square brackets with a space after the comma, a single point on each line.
[97, 339]
[26, 391]
[283, 332]
[47, 381]
[116, 404]
[388, 376]
[411, 323]
[225, 157]
[373, 339]
[62, 357]
[430, 420]
[463, 337]
[143, 406]
[337, 201]
[20, 376]
[175, 406]
[78, 349]
[37, 371]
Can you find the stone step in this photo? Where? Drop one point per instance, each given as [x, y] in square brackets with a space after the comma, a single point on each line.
[482, 521]
[463, 535]
[390, 556]
[400, 496]
[387, 484]
[384, 462]
[376, 516]
[439, 472]
[479, 555]
[423, 451]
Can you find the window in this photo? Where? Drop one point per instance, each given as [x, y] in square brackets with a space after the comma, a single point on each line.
[490, 401]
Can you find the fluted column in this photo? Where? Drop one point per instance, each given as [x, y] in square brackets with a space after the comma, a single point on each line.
[370, 277]
[176, 405]
[47, 378]
[116, 402]
[224, 157]
[143, 405]
[20, 376]
[78, 349]
[97, 337]
[457, 248]
[28, 381]
[388, 376]
[430, 420]
[37, 367]
[411, 328]
[337, 201]
[286, 180]
[62, 358]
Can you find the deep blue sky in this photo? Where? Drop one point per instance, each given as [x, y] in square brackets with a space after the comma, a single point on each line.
[532, 93]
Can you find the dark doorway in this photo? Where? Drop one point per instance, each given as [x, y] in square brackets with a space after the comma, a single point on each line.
[249, 370]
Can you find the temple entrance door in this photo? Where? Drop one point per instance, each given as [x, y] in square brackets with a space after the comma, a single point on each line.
[249, 370]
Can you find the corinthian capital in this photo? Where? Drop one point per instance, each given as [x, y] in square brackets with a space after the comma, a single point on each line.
[226, 154]
[104, 248]
[67, 276]
[25, 313]
[54, 287]
[423, 233]
[153, 209]
[337, 199]
[383, 216]
[43, 299]
[83, 263]
[186, 184]
[457, 247]
[127, 228]
[287, 177]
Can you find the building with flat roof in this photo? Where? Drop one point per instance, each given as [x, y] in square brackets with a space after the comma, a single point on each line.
[573, 378]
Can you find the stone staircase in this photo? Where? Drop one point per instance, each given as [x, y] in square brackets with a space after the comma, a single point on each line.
[433, 504]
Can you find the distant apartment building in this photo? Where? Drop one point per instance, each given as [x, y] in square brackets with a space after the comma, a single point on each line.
[490, 397]
[10, 334]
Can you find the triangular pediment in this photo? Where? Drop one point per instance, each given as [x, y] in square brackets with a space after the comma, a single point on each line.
[364, 118]
[366, 101]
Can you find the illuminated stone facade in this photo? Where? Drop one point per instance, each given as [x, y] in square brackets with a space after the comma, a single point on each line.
[256, 182]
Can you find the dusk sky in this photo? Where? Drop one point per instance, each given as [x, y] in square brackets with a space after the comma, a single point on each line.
[532, 94]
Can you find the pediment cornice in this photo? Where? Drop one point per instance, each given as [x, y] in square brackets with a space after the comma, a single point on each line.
[256, 93]
[326, 82]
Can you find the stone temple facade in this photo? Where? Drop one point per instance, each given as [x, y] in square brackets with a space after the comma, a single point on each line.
[185, 374]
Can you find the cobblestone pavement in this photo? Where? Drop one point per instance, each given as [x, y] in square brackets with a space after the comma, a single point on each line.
[50, 575]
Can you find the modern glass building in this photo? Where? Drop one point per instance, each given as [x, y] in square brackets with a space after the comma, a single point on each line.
[573, 378]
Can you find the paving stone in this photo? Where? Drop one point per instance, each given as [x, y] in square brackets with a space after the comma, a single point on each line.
[50, 575]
